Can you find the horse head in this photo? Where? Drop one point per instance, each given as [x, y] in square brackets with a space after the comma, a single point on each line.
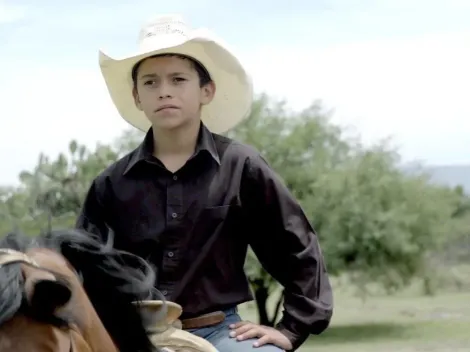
[68, 292]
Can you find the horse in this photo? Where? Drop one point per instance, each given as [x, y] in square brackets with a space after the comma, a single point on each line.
[67, 291]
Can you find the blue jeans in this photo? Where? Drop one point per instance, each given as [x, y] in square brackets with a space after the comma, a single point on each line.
[218, 335]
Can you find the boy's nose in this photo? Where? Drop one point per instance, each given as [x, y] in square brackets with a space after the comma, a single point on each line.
[164, 90]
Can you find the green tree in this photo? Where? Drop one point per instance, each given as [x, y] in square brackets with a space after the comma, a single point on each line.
[374, 222]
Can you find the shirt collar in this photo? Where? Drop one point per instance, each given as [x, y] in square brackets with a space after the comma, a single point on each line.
[205, 143]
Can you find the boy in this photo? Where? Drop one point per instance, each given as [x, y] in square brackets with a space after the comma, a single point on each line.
[190, 200]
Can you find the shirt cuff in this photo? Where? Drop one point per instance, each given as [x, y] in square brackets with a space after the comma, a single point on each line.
[296, 335]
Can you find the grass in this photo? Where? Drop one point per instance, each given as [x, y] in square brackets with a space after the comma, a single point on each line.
[403, 323]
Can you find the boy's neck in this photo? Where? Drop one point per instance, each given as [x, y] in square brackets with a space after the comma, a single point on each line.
[180, 142]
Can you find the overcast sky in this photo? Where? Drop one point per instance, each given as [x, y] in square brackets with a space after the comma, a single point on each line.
[396, 68]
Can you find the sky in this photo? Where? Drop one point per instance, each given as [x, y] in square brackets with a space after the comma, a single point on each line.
[387, 68]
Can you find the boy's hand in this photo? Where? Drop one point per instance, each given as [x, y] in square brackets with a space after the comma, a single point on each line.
[246, 330]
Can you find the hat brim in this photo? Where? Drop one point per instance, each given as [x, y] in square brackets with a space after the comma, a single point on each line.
[234, 91]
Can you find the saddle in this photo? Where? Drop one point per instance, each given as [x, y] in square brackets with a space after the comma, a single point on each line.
[168, 334]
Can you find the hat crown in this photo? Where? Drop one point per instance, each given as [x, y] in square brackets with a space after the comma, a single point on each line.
[164, 29]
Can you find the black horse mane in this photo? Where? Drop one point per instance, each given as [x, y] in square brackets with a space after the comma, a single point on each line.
[112, 280]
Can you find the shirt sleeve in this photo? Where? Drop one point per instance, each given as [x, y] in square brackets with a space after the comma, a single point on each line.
[288, 248]
[92, 216]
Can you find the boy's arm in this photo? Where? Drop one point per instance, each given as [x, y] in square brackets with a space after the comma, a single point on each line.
[92, 216]
[287, 247]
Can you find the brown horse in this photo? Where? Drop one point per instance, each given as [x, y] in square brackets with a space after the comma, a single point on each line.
[69, 292]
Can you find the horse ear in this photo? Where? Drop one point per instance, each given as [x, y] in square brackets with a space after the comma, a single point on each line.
[48, 295]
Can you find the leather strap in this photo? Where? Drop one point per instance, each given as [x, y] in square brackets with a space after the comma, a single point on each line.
[204, 320]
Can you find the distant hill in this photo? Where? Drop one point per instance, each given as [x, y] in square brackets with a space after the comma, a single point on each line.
[450, 175]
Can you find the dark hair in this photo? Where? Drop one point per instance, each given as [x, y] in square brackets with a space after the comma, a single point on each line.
[112, 280]
[204, 76]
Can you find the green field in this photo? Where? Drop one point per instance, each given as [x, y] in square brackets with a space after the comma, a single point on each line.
[402, 323]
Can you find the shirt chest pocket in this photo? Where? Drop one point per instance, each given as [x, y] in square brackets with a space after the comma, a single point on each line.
[212, 223]
[211, 218]
[216, 213]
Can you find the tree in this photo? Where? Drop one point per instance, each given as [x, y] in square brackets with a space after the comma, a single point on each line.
[58, 187]
[374, 222]
[52, 193]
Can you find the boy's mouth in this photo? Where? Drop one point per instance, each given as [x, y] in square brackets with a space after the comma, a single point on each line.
[167, 107]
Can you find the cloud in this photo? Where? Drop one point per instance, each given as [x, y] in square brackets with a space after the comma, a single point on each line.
[10, 13]
[415, 90]
[375, 74]
[44, 109]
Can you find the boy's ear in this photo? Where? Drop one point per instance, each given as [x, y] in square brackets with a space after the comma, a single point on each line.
[135, 94]
[207, 93]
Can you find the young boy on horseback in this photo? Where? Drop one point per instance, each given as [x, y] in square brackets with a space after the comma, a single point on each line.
[191, 201]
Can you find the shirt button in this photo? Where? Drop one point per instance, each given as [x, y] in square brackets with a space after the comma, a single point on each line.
[164, 292]
[174, 215]
[171, 254]
[175, 177]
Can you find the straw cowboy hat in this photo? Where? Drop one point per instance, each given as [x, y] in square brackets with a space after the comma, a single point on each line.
[170, 34]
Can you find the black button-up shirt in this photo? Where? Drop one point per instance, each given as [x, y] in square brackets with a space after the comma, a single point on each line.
[195, 225]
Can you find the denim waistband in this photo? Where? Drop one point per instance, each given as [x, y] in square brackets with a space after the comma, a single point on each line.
[230, 311]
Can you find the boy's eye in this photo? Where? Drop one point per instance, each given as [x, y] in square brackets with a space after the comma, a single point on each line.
[179, 79]
[146, 83]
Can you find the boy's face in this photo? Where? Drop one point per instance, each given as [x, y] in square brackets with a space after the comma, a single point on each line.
[168, 91]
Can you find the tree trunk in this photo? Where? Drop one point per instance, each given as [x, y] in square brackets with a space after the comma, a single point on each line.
[261, 296]
[278, 308]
